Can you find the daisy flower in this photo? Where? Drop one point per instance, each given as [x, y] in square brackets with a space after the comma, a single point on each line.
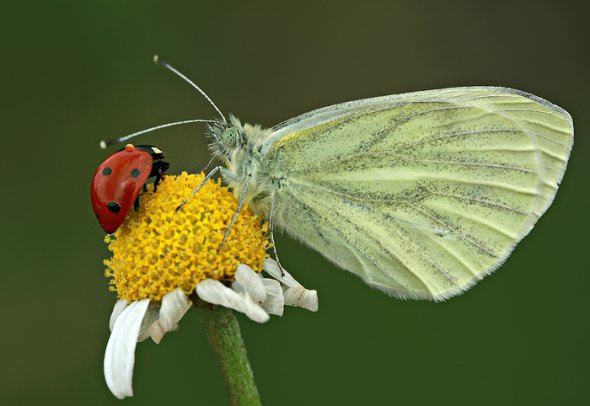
[164, 261]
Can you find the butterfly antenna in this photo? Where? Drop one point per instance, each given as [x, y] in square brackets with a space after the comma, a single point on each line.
[171, 68]
[112, 141]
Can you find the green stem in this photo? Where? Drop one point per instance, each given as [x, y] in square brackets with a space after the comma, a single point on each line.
[224, 335]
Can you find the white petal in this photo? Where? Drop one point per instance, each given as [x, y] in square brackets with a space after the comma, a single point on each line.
[251, 282]
[150, 318]
[273, 269]
[174, 306]
[156, 332]
[238, 288]
[119, 307]
[295, 294]
[301, 297]
[274, 302]
[119, 357]
[215, 292]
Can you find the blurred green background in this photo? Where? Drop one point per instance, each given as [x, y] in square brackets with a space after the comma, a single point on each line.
[76, 72]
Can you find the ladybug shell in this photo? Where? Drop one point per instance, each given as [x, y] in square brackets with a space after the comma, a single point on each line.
[116, 185]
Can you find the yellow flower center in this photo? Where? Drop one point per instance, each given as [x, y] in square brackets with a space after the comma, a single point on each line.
[159, 249]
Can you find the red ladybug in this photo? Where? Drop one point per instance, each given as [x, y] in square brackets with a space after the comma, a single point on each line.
[118, 181]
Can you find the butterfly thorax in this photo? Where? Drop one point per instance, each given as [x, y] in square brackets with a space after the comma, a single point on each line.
[240, 148]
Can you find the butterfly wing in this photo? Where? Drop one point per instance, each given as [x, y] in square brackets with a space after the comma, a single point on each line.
[420, 194]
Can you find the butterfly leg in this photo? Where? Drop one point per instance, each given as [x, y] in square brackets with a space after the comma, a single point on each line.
[239, 209]
[272, 236]
[195, 190]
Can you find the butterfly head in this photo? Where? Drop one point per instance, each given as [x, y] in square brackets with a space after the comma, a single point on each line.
[225, 137]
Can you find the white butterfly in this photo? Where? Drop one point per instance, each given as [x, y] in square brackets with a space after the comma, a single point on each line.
[420, 194]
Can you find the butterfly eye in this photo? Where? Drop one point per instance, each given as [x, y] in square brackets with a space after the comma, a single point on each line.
[229, 137]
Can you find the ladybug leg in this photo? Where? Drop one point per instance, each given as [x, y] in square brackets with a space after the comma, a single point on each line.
[158, 170]
[136, 204]
[159, 177]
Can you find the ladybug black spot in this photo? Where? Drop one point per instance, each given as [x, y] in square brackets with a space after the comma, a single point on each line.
[107, 171]
[135, 173]
[114, 207]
